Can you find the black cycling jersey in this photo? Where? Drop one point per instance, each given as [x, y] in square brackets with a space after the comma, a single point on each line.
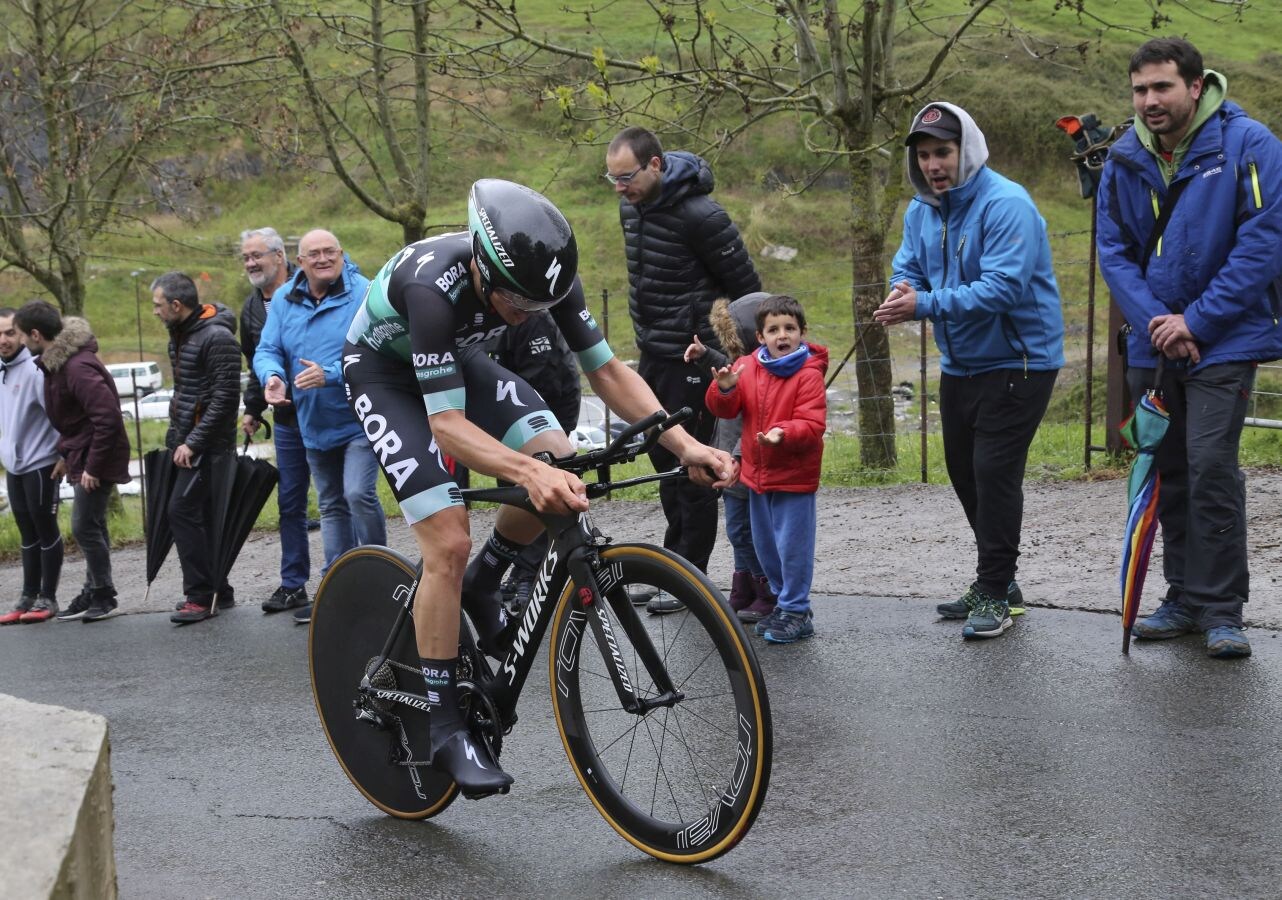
[421, 309]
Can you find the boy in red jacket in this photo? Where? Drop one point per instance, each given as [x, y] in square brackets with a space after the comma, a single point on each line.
[779, 389]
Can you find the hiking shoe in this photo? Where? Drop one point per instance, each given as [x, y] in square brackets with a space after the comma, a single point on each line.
[766, 621]
[191, 612]
[77, 609]
[988, 618]
[304, 615]
[641, 594]
[1170, 621]
[284, 598]
[961, 607]
[663, 603]
[1227, 642]
[42, 610]
[14, 616]
[786, 627]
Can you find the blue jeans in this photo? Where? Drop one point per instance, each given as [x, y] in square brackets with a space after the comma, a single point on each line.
[347, 489]
[291, 500]
[739, 533]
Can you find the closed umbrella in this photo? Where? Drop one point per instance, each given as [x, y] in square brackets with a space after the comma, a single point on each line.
[251, 484]
[1144, 431]
[158, 473]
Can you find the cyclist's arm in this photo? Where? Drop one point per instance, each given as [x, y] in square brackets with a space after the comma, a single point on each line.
[627, 394]
[550, 489]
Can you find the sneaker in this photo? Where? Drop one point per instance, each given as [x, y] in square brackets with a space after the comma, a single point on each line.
[788, 627]
[285, 598]
[961, 607]
[77, 609]
[766, 621]
[14, 616]
[191, 612]
[42, 610]
[304, 615]
[1170, 621]
[1227, 642]
[641, 594]
[471, 765]
[988, 618]
[101, 607]
[742, 592]
[220, 602]
[663, 603]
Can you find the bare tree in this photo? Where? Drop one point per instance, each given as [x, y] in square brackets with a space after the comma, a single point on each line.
[90, 94]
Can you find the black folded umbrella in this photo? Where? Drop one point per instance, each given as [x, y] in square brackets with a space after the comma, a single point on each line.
[246, 485]
[158, 473]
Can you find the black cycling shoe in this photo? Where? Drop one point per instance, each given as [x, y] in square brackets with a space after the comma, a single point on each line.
[470, 764]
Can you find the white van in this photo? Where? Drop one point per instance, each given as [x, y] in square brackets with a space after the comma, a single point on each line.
[145, 375]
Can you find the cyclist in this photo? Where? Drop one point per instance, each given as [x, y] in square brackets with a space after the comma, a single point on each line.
[419, 340]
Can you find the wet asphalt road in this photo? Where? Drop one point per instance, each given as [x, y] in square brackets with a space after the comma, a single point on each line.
[907, 763]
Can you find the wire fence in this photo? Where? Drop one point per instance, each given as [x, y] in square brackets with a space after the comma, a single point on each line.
[1076, 428]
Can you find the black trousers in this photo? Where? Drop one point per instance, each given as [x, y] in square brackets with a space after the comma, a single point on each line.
[691, 510]
[989, 421]
[1201, 502]
[34, 498]
[189, 519]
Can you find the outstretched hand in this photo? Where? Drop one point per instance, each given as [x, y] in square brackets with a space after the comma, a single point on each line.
[726, 377]
[695, 350]
[773, 437]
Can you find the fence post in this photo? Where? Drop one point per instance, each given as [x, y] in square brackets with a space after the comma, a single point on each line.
[925, 398]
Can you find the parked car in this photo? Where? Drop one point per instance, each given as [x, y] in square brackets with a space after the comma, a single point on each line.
[154, 406]
[587, 437]
[145, 375]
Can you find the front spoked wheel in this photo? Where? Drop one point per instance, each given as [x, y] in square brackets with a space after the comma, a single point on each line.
[381, 744]
[682, 782]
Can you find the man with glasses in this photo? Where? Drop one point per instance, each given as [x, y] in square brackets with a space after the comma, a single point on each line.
[683, 254]
[262, 252]
[420, 340]
[301, 346]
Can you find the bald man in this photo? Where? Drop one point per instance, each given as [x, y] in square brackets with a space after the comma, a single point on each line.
[302, 346]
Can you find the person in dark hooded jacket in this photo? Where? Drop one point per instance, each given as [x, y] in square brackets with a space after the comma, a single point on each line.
[81, 402]
[202, 426]
[683, 253]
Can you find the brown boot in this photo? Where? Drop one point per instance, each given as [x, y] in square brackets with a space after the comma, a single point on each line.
[742, 592]
[763, 605]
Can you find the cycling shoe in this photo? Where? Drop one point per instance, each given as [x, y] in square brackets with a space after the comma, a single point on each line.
[469, 763]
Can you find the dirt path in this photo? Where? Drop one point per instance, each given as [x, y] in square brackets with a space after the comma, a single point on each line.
[901, 541]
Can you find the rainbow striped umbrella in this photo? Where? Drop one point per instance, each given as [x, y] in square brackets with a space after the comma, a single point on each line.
[1144, 431]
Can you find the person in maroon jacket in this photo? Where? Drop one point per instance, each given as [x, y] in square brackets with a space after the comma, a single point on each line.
[779, 390]
[81, 401]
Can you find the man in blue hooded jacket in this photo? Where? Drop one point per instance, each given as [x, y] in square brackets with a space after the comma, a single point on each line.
[976, 261]
[302, 340]
[1201, 292]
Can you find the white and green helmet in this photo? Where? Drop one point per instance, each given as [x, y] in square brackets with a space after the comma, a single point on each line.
[521, 243]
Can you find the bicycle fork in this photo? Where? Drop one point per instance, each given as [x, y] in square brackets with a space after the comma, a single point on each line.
[584, 566]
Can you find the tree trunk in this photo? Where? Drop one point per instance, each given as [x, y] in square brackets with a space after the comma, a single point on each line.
[873, 369]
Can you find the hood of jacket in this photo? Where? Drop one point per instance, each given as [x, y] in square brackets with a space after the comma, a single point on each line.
[74, 337]
[972, 156]
[1214, 89]
[208, 314]
[684, 175]
[735, 323]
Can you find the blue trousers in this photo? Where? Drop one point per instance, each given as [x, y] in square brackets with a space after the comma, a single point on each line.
[784, 525]
[739, 533]
[291, 500]
[347, 490]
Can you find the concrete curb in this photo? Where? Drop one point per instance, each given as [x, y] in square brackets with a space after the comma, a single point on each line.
[56, 815]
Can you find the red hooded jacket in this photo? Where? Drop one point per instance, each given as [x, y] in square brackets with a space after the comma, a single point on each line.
[797, 404]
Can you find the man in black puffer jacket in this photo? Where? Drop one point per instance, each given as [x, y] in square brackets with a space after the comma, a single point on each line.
[683, 253]
[202, 426]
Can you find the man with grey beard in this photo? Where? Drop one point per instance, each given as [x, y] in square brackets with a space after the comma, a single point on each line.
[262, 252]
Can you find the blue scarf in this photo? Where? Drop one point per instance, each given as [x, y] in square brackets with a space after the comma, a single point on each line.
[784, 366]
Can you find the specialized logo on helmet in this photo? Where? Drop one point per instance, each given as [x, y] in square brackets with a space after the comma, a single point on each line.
[932, 115]
[552, 274]
[499, 249]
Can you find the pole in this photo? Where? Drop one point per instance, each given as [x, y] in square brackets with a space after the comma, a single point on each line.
[925, 396]
[133, 377]
[603, 473]
[1090, 340]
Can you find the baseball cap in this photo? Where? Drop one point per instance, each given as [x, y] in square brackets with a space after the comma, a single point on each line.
[936, 122]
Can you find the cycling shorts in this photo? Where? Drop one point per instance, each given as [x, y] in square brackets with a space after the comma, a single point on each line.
[387, 400]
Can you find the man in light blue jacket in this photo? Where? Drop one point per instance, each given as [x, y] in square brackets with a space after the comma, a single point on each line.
[1190, 243]
[976, 261]
[302, 341]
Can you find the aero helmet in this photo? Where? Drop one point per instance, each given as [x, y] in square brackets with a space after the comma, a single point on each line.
[521, 243]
